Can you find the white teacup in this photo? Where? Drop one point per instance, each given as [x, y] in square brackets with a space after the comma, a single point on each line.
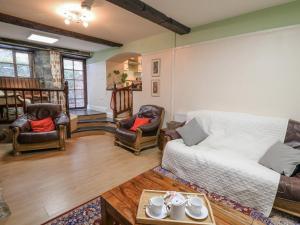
[194, 205]
[156, 205]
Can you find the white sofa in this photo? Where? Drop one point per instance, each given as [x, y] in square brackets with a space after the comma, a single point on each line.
[226, 162]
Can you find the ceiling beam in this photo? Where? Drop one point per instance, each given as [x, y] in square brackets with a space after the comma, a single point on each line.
[146, 11]
[54, 30]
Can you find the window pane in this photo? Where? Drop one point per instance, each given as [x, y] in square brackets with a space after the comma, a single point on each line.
[6, 56]
[79, 93]
[78, 84]
[78, 65]
[6, 70]
[71, 103]
[71, 84]
[23, 71]
[71, 94]
[80, 102]
[22, 58]
[78, 75]
[68, 64]
[68, 74]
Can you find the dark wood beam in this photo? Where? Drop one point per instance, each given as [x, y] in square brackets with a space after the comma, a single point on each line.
[54, 30]
[146, 11]
[24, 45]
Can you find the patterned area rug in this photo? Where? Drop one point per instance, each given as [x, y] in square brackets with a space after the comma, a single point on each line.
[89, 213]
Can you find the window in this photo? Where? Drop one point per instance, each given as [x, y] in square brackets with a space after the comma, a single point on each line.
[74, 73]
[15, 63]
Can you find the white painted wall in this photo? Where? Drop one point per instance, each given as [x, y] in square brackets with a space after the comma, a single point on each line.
[256, 73]
[98, 97]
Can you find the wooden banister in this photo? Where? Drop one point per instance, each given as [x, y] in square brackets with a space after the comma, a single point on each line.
[121, 101]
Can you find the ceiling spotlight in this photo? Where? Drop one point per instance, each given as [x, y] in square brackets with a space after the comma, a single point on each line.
[67, 21]
[85, 24]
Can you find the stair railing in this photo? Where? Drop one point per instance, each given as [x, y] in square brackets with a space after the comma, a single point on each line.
[121, 101]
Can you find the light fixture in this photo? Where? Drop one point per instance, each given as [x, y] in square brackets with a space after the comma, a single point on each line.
[42, 38]
[85, 24]
[67, 21]
[75, 13]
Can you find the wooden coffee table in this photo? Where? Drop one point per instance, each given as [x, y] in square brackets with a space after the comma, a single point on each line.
[119, 205]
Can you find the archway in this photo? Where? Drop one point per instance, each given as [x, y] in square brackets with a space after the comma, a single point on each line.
[124, 69]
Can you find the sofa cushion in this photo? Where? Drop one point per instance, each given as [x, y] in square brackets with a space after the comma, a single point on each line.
[125, 135]
[32, 137]
[192, 133]
[40, 111]
[281, 158]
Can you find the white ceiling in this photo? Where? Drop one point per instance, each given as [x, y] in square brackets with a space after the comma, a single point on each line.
[119, 25]
[110, 22]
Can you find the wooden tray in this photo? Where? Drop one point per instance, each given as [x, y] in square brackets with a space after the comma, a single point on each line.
[141, 216]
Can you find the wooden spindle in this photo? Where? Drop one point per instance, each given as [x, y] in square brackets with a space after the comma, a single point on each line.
[41, 96]
[24, 101]
[16, 106]
[6, 103]
[49, 96]
[32, 97]
[57, 97]
[66, 95]
[124, 104]
[120, 101]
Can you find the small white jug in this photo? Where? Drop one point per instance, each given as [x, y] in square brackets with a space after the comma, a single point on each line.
[176, 208]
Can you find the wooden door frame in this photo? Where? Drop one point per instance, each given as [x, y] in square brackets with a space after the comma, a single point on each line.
[84, 76]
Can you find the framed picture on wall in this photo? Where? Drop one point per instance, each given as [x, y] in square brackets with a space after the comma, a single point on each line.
[155, 88]
[155, 67]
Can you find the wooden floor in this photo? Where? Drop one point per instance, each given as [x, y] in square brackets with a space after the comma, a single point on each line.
[38, 186]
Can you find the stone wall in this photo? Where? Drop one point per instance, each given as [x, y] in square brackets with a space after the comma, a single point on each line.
[42, 68]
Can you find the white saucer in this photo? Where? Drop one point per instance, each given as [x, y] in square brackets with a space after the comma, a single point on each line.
[164, 213]
[201, 216]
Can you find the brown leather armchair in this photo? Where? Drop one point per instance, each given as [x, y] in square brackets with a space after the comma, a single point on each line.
[26, 140]
[147, 135]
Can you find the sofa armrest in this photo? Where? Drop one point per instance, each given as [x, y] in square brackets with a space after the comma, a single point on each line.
[289, 187]
[21, 123]
[62, 119]
[172, 134]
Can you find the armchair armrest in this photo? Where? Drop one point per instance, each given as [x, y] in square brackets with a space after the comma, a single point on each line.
[21, 124]
[62, 119]
[127, 123]
[151, 127]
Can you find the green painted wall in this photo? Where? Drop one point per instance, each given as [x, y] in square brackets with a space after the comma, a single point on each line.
[274, 17]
